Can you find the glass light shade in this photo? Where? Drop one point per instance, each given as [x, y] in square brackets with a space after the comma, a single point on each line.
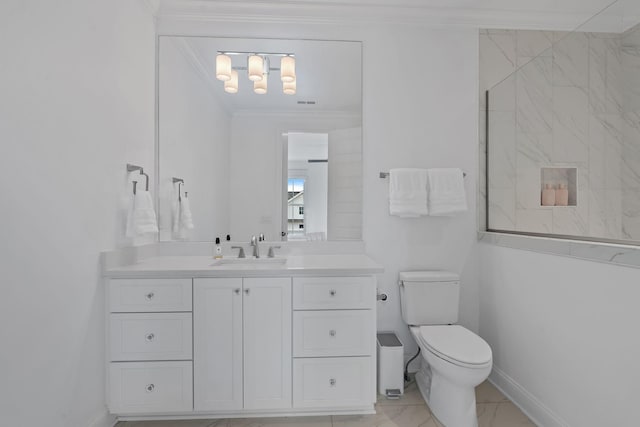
[260, 86]
[255, 67]
[289, 88]
[223, 67]
[288, 69]
[231, 85]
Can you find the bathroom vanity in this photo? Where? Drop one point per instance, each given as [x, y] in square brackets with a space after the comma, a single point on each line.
[189, 338]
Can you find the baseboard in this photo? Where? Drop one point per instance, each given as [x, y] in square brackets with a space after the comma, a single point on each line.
[537, 412]
[104, 420]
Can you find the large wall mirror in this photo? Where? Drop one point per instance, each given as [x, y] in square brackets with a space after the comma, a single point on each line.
[243, 163]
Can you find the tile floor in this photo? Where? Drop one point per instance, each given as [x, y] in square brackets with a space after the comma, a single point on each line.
[494, 410]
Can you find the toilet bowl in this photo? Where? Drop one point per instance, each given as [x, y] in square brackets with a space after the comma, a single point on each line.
[454, 359]
[450, 371]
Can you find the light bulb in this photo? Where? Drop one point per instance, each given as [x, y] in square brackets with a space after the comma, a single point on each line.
[231, 85]
[255, 67]
[223, 67]
[289, 88]
[287, 69]
[260, 86]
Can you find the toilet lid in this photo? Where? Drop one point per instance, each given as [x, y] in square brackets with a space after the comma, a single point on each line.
[456, 344]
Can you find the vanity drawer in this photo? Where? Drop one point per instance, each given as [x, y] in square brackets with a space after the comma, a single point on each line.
[150, 336]
[317, 293]
[332, 382]
[139, 387]
[136, 295]
[333, 333]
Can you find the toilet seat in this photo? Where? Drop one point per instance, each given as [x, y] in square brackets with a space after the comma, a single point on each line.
[456, 345]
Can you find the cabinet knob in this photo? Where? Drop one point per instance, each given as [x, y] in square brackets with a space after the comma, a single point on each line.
[332, 333]
[246, 291]
[237, 291]
[332, 382]
[150, 388]
[150, 296]
[332, 292]
[150, 337]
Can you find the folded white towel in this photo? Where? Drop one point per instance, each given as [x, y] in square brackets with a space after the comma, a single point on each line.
[408, 192]
[446, 192]
[141, 217]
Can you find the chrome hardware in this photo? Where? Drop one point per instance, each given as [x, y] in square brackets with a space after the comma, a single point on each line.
[237, 291]
[332, 292]
[256, 247]
[246, 291]
[332, 333]
[240, 252]
[150, 388]
[261, 237]
[332, 382]
[271, 253]
[381, 297]
[150, 296]
[150, 337]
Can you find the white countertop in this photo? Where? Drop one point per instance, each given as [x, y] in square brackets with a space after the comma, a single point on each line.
[205, 266]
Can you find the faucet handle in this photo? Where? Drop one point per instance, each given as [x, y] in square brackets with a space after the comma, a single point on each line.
[261, 237]
[240, 252]
[253, 240]
[271, 253]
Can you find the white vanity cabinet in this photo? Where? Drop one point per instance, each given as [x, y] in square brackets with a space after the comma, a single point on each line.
[217, 345]
[242, 343]
[150, 346]
[334, 342]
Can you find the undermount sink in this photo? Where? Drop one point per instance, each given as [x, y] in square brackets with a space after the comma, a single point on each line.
[266, 261]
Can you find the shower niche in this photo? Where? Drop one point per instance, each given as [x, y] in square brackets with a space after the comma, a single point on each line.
[558, 187]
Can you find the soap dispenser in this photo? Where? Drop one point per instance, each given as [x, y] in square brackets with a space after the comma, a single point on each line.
[562, 195]
[548, 196]
[218, 253]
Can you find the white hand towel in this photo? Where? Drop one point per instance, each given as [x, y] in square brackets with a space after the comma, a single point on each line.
[142, 216]
[446, 192]
[408, 192]
[186, 219]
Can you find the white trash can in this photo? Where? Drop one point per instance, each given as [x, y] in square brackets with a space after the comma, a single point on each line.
[390, 365]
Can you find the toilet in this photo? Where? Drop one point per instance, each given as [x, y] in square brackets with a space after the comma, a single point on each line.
[454, 359]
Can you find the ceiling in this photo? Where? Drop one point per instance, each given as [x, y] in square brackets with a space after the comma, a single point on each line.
[524, 14]
[328, 73]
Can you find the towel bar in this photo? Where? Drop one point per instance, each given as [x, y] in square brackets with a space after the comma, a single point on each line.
[386, 174]
[180, 182]
[132, 168]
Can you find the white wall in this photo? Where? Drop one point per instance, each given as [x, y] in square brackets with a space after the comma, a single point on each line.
[77, 104]
[408, 121]
[194, 137]
[564, 330]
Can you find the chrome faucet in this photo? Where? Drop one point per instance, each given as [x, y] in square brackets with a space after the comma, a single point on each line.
[256, 248]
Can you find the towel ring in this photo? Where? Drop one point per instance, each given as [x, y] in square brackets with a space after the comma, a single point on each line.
[133, 168]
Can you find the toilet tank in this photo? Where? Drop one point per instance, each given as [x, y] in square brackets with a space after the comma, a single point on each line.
[429, 297]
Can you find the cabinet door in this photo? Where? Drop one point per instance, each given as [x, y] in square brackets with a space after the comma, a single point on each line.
[267, 343]
[217, 333]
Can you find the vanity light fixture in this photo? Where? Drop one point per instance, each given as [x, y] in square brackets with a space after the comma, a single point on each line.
[258, 68]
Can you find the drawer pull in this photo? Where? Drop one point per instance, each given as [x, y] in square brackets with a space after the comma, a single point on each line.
[332, 382]
[237, 291]
[332, 292]
[150, 337]
[150, 388]
[246, 291]
[150, 296]
[332, 333]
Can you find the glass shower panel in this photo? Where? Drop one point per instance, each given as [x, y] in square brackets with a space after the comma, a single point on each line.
[563, 133]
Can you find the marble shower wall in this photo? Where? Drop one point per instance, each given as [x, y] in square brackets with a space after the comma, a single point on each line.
[572, 103]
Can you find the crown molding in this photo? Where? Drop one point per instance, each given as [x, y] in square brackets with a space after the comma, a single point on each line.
[349, 13]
